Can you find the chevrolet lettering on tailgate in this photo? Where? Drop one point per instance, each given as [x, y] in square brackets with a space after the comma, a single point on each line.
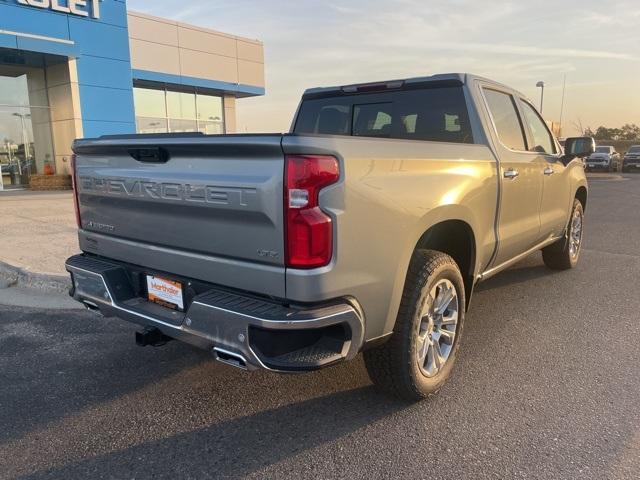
[215, 195]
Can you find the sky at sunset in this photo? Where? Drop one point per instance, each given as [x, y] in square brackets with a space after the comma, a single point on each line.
[319, 43]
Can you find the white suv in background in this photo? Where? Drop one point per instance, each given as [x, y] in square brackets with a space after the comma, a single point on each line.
[632, 159]
[604, 158]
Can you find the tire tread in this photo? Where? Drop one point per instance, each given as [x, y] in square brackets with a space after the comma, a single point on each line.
[389, 364]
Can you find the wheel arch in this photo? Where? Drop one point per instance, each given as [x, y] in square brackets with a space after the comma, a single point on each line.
[581, 195]
[435, 230]
[457, 239]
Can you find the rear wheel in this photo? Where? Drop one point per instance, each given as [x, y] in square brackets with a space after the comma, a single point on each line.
[564, 254]
[418, 358]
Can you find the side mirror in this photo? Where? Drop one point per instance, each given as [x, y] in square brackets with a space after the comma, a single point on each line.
[578, 147]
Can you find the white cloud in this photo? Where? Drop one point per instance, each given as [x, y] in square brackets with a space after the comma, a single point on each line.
[535, 51]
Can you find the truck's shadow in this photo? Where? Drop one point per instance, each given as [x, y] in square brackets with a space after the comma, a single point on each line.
[235, 422]
[238, 447]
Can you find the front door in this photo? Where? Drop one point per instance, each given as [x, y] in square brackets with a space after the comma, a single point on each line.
[556, 190]
[520, 175]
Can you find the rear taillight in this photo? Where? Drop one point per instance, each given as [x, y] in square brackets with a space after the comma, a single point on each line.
[308, 230]
[76, 200]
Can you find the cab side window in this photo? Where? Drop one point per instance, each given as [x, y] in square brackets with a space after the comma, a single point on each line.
[542, 138]
[506, 119]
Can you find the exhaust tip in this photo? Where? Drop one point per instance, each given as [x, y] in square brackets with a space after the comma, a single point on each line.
[230, 358]
[91, 306]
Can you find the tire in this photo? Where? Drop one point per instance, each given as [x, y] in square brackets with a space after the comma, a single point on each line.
[565, 253]
[395, 367]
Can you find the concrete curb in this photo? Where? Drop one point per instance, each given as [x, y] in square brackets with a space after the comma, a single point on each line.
[11, 276]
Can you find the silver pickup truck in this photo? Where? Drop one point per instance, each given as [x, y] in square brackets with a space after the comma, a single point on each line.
[364, 229]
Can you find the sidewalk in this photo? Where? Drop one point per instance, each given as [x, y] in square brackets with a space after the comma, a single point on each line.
[37, 231]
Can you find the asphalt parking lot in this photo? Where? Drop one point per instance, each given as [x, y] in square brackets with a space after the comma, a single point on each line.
[547, 386]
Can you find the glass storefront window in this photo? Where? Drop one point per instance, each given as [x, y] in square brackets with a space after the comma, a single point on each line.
[210, 114]
[151, 125]
[159, 111]
[149, 103]
[181, 105]
[178, 125]
[25, 127]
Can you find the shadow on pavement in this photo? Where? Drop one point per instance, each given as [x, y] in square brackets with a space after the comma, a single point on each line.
[73, 362]
[237, 447]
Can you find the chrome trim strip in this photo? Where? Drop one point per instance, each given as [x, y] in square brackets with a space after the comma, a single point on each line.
[276, 323]
[492, 271]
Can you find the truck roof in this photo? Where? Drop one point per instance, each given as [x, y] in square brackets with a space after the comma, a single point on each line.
[441, 79]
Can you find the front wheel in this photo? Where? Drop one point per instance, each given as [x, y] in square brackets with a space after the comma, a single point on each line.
[564, 254]
[418, 358]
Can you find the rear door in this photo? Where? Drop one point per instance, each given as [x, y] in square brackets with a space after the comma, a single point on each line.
[556, 190]
[521, 177]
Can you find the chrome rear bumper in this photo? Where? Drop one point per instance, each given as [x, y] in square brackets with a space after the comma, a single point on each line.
[238, 329]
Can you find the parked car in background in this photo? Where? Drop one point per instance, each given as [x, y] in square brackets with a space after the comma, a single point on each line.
[631, 159]
[604, 158]
[366, 228]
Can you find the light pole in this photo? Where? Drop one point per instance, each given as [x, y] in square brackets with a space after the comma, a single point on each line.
[24, 139]
[564, 88]
[540, 84]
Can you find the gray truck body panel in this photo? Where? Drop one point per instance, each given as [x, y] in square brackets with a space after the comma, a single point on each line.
[214, 211]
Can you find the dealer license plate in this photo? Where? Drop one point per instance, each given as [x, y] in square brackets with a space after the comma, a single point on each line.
[165, 292]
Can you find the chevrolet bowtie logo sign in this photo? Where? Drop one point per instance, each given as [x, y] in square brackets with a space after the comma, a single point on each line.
[82, 8]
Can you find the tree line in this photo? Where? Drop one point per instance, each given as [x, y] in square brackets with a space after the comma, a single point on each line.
[629, 131]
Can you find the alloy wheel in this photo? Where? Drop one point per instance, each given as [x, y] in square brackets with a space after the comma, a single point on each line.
[575, 234]
[437, 328]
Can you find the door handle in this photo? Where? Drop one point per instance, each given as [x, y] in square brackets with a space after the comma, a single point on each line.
[511, 174]
[549, 171]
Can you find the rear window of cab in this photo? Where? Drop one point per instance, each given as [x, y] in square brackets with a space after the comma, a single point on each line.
[432, 114]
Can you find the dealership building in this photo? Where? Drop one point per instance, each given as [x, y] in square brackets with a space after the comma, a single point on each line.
[85, 68]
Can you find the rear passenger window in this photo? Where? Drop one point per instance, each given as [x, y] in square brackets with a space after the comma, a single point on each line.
[437, 114]
[506, 119]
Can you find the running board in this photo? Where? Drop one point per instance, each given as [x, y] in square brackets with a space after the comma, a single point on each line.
[492, 271]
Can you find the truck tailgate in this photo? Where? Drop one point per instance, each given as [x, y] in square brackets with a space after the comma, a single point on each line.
[208, 207]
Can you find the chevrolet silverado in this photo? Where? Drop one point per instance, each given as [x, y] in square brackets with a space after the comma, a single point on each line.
[363, 229]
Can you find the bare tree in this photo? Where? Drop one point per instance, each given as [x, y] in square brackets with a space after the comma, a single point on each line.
[577, 124]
